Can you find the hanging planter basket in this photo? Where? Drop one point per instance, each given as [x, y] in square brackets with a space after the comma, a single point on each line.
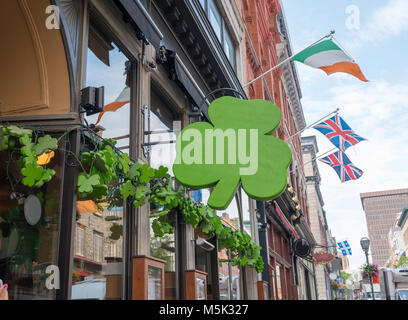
[370, 271]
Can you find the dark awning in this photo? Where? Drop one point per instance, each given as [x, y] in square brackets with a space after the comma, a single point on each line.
[143, 20]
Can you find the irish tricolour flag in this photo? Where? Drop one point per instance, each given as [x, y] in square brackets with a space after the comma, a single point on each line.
[121, 100]
[327, 56]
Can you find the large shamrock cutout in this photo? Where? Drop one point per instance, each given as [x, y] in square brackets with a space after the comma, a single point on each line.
[197, 164]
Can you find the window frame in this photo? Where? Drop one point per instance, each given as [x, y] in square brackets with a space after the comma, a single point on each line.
[224, 29]
[83, 228]
[97, 234]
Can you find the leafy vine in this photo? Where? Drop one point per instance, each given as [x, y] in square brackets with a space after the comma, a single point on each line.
[107, 173]
[13, 138]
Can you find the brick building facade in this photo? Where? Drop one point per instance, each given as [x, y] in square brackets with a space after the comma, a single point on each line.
[266, 43]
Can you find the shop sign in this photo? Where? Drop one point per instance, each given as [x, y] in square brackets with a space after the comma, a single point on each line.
[322, 257]
[302, 248]
[235, 147]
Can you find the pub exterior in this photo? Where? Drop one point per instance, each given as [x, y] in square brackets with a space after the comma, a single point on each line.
[165, 57]
[157, 65]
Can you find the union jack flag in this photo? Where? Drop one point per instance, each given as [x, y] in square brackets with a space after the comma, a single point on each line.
[344, 247]
[343, 166]
[338, 132]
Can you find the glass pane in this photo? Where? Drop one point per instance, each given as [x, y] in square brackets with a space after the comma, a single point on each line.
[200, 289]
[161, 118]
[117, 95]
[229, 282]
[272, 277]
[278, 282]
[154, 283]
[215, 18]
[28, 247]
[164, 248]
[246, 215]
[97, 266]
[230, 215]
[229, 48]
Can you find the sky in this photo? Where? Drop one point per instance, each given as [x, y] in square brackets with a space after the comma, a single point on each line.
[375, 34]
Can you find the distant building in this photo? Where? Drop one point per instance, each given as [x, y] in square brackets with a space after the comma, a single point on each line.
[403, 225]
[318, 221]
[345, 263]
[381, 209]
[396, 243]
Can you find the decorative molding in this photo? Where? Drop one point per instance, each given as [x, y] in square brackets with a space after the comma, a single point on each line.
[43, 103]
[290, 78]
[72, 12]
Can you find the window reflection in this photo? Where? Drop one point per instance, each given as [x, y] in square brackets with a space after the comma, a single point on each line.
[229, 275]
[219, 26]
[215, 19]
[117, 91]
[278, 281]
[97, 271]
[246, 214]
[97, 265]
[27, 250]
[163, 154]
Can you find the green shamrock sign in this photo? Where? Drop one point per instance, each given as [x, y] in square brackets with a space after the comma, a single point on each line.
[237, 146]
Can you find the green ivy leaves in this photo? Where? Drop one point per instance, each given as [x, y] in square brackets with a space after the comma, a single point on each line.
[106, 166]
[13, 137]
[87, 183]
[160, 229]
[116, 231]
[45, 144]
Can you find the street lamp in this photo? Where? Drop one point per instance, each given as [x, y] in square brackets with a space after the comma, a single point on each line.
[365, 245]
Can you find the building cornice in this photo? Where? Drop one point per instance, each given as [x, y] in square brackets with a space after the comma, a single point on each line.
[290, 77]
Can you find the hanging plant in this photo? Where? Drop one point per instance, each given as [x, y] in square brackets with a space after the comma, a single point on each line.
[13, 138]
[370, 271]
[109, 176]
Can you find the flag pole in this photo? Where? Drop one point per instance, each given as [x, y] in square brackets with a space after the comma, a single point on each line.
[286, 60]
[315, 158]
[311, 125]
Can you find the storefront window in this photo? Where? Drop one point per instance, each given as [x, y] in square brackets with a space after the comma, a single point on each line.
[110, 75]
[229, 275]
[162, 137]
[163, 154]
[28, 247]
[97, 271]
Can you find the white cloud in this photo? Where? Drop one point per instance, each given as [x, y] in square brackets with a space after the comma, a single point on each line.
[385, 22]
